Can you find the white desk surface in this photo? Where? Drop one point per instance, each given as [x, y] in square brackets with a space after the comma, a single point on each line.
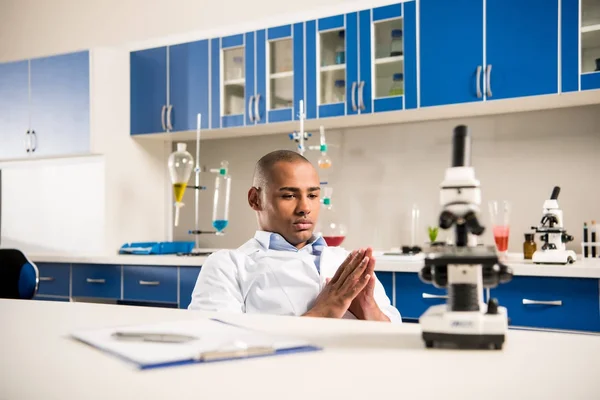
[583, 268]
[361, 360]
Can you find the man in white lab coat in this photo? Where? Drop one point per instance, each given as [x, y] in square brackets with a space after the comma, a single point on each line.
[286, 269]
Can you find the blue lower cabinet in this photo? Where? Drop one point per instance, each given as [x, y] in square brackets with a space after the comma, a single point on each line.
[414, 297]
[151, 283]
[555, 303]
[97, 280]
[387, 280]
[54, 279]
[187, 282]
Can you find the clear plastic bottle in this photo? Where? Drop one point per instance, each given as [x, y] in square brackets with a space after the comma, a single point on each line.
[180, 165]
[339, 91]
[396, 43]
[340, 49]
[221, 198]
[397, 88]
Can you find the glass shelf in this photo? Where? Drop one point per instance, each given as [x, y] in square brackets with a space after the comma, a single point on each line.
[389, 58]
[590, 36]
[234, 100]
[281, 93]
[281, 74]
[234, 82]
[333, 48]
[333, 86]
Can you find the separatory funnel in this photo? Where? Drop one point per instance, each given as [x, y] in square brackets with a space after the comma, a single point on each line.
[221, 198]
[181, 164]
[330, 226]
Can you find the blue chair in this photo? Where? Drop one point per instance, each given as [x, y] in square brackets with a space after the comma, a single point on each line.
[19, 277]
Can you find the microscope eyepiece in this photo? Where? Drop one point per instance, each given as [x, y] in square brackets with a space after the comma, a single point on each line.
[555, 193]
[461, 148]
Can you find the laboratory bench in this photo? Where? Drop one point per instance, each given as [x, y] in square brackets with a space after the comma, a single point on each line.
[358, 360]
[546, 297]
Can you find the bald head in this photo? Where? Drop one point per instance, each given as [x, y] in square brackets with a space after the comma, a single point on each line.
[264, 167]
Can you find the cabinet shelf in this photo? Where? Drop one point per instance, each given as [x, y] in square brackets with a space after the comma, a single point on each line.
[335, 67]
[388, 60]
[281, 75]
[235, 82]
[590, 28]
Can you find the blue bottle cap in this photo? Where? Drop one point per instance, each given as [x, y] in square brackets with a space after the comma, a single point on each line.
[398, 77]
[340, 83]
[396, 33]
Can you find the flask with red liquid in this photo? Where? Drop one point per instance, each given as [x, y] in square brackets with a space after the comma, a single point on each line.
[330, 226]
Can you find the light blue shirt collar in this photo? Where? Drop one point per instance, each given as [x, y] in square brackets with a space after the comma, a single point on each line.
[274, 241]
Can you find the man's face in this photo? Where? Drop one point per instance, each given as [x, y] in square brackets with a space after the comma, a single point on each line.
[289, 204]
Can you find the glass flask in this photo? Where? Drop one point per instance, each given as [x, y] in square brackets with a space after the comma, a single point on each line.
[180, 165]
[397, 88]
[330, 227]
[221, 198]
[324, 161]
[396, 43]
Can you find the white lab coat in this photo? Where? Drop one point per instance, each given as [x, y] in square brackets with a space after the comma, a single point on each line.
[253, 279]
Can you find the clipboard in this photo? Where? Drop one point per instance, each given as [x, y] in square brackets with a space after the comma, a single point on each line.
[187, 342]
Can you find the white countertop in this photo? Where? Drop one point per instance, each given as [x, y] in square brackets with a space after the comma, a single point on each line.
[587, 268]
[360, 360]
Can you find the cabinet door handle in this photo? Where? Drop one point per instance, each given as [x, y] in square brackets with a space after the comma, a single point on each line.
[353, 97]
[361, 102]
[489, 80]
[169, 124]
[46, 278]
[149, 283]
[250, 109]
[434, 296]
[162, 117]
[33, 134]
[90, 280]
[543, 303]
[28, 141]
[478, 80]
[256, 111]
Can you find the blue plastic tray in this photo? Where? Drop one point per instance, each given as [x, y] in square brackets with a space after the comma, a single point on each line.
[156, 248]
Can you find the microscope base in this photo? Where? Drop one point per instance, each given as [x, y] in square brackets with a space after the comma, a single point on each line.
[554, 257]
[464, 330]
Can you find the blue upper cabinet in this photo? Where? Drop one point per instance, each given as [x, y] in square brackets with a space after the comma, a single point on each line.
[389, 57]
[60, 104]
[451, 51]
[148, 82]
[362, 62]
[189, 84]
[332, 66]
[515, 55]
[14, 103]
[230, 65]
[521, 48]
[280, 73]
[580, 44]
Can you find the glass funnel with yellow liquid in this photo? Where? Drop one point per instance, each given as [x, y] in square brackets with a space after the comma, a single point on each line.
[181, 165]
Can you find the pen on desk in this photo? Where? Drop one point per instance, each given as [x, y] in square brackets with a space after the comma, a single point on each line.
[593, 239]
[155, 337]
[585, 240]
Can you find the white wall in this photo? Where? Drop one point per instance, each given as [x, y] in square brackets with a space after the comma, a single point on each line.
[31, 28]
[380, 172]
